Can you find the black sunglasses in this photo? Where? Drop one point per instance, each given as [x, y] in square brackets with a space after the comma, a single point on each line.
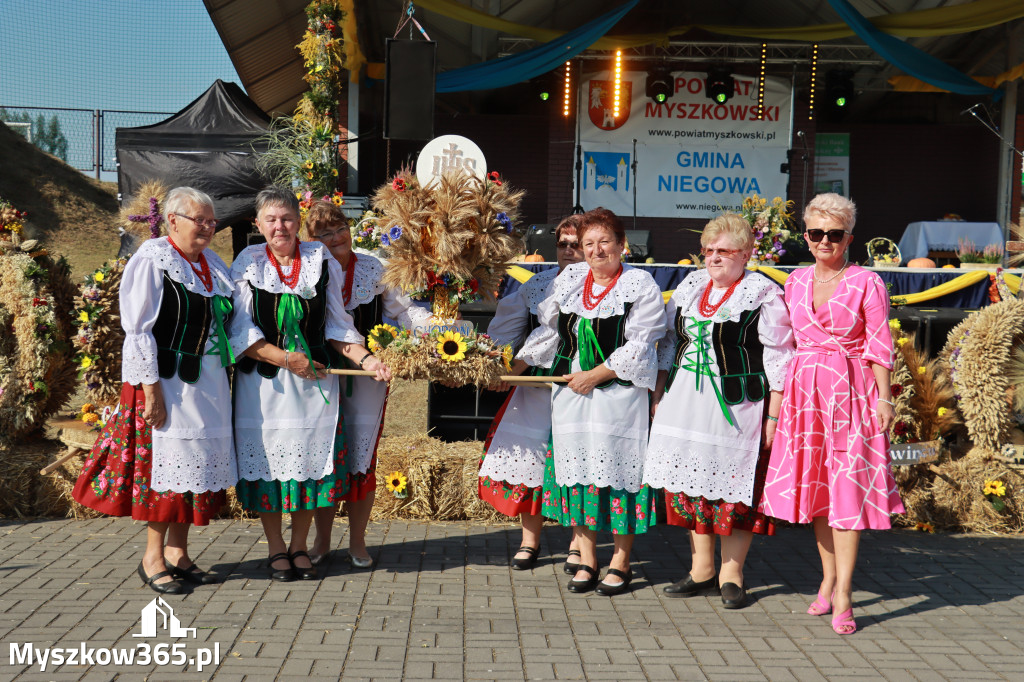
[834, 236]
[568, 245]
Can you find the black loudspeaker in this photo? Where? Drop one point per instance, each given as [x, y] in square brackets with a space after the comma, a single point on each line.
[639, 245]
[541, 239]
[409, 83]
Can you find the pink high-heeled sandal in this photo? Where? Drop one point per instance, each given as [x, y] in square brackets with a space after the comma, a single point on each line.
[820, 607]
[843, 623]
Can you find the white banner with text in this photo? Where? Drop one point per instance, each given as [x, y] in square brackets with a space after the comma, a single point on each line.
[694, 158]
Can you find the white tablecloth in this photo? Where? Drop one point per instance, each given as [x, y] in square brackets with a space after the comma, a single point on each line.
[942, 235]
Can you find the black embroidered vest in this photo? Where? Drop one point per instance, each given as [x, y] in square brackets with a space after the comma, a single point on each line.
[366, 316]
[610, 333]
[738, 353]
[181, 330]
[313, 326]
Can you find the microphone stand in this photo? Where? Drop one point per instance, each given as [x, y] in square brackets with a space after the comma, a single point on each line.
[992, 129]
[633, 166]
[803, 159]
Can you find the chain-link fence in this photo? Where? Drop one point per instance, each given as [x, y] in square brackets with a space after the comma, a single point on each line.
[83, 138]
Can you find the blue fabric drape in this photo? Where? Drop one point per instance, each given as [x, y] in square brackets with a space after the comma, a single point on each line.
[504, 71]
[913, 61]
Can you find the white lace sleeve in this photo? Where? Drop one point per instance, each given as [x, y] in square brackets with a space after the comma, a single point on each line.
[541, 345]
[339, 322]
[140, 294]
[402, 310]
[637, 359]
[511, 319]
[242, 331]
[667, 344]
[776, 334]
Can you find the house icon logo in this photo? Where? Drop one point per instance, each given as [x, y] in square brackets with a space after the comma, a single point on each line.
[159, 613]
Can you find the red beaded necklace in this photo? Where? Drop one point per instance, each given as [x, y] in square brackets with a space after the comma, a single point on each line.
[346, 291]
[705, 307]
[292, 279]
[202, 272]
[589, 300]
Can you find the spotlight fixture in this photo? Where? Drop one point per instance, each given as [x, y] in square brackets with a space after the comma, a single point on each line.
[719, 86]
[839, 88]
[660, 84]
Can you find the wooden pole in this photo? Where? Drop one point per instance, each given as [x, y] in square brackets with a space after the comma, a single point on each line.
[508, 379]
[71, 453]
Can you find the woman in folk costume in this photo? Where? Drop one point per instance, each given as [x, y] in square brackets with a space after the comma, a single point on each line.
[716, 407]
[363, 399]
[599, 329]
[288, 430]
[166, 456]
[512, 471]
[830, 459]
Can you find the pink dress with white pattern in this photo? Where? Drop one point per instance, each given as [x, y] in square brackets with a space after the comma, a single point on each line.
[829, 456]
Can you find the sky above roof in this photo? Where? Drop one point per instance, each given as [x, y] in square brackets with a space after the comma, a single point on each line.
[156, 55]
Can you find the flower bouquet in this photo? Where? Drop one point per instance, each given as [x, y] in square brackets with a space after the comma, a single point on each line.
[440, 354]
[100, 335]
[772, 224]
[306, 201]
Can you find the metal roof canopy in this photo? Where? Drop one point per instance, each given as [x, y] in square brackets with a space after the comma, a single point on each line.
[260, 36]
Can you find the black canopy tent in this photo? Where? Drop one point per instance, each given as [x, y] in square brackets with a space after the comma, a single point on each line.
[207, 145]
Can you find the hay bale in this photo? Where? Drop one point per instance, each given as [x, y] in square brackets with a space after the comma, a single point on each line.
[24, 493]
[442, 480]
[957, 502]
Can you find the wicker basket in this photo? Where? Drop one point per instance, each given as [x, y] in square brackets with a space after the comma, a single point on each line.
[881, 248]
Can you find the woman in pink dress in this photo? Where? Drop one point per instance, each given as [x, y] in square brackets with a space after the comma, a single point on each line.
[830, 459]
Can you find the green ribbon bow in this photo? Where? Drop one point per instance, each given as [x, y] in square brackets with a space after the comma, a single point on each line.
[698, 360]
[221, 346]
[289, 313]
[589, 347]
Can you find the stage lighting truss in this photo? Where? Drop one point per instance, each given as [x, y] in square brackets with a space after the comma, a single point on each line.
[660, 84]
[719, 86]
[839, 92]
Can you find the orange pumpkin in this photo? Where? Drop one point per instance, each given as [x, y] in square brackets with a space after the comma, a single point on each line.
[534, 257]
[921, 263]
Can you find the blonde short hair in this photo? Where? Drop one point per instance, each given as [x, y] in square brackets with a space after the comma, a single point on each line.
[834, 207]
[732, 225]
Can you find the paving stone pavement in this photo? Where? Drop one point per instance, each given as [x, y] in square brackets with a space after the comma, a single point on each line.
[442, 604]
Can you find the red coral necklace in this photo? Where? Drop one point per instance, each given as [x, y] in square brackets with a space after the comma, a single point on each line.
[590, 301]
[705, 307]
[202, 272]
[293, 277]
[350, 271]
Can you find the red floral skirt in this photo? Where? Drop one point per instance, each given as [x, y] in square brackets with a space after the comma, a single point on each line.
[718, 517]
[511, 499]
[115, 477]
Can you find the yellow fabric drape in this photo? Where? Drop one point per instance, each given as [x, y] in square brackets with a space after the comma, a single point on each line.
[956, 284]
[354, 58]
[911, 84]
[972, 16]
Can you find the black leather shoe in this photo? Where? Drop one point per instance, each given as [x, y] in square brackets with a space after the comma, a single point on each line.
[528, 562]
[192, 574]
[733, 596]
[687, 587]
[569, 568]
[172, 587]
[610, 590]
[281, 575]
[581, 586]
[309, 573]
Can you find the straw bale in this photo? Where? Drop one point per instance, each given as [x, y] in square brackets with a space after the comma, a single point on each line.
[24, 493]
[442, 480]
[958, 504]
